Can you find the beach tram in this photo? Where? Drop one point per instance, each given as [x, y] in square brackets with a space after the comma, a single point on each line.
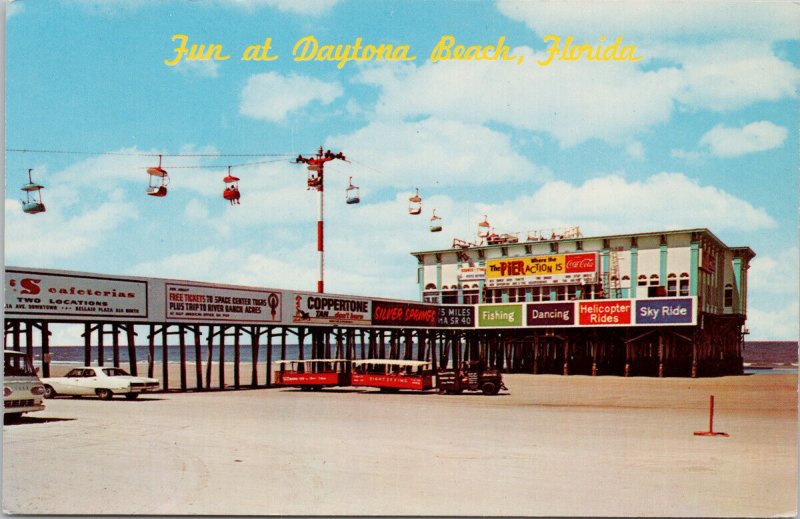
[436, 225]
[351, 194]
[415, 203]
[33, 196]
[312, 374]
[231, 192]
[157, 185]
[391, 375]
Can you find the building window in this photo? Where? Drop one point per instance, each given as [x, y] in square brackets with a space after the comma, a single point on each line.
[728, 295]
[626, 282]
[430, 297]
[561, 293]
[494, 295]
[672, 285]
[684, 284]
[540, 294]
[642, 280]
[572, 292]
[516, 295]
[654, 280]
[450, 297]
[430, 286]
[470, 297]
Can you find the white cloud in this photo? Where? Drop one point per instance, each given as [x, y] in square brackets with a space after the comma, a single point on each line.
[636, 150]
[435, 151]
[41, 240]
[612, 204]
[271, 96]
[731, 75]
[733, 142]
[304, 7]
[13, 8]
[207, 68]
[574, 102]
[657, 20]
[775, 275]
[777, 325]
[690, 156]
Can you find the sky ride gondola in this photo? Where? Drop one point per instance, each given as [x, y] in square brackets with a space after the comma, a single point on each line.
[436, 226]
[159, 179]
[231, 192]
[33, 196]
[351, 194]
[415, 203]
[484, 229]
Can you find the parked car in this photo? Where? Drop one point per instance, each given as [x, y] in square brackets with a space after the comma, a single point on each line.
[22, 390]
[101, 381]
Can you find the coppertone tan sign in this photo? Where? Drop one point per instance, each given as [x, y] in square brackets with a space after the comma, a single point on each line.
[323, 309]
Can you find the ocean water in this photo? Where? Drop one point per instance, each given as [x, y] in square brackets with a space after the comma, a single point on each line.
[759, 356]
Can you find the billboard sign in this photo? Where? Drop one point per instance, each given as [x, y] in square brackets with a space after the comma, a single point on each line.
[186, 302]
[471, 273]
[499, 315]
[460, 316]
[542, 270]
[390, 313]
[67, 295]
[551, 314]
[323, 309]
[604, 313]
[665, 311]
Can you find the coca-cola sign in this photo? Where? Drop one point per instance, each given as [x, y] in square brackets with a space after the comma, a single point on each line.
[581, 262]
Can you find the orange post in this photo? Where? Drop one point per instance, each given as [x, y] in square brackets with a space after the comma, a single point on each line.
[710, 431]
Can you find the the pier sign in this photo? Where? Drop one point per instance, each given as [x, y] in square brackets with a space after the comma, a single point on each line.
[323, 309]
[460, 316]
[389, 313]
[665, 311]
[66, 295]
[604, 313]
[185, 302]
[542, 270]
[499, 315]
[551, 314]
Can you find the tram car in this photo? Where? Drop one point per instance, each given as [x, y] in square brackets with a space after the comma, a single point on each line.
[312, 374]
[391, 375]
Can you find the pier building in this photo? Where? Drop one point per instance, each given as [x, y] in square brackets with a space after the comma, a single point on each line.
[668, 302]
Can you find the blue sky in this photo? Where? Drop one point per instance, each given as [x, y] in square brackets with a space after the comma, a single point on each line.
[701, 132]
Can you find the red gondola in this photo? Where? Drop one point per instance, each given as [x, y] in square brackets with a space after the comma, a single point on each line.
[159, 179]
[231, 192]
[415, 203]
[436, 226]
[484, 228]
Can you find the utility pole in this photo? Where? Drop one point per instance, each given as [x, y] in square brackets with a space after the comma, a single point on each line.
[316, 176]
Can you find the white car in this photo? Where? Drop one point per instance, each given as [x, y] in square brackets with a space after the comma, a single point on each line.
[105, 382]
[22, 390]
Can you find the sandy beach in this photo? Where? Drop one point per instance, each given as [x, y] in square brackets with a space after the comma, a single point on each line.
[552, 445]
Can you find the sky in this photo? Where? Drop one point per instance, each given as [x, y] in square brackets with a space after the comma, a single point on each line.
[701, 131]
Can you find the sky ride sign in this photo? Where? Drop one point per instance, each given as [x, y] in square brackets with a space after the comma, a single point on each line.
[201, 303]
